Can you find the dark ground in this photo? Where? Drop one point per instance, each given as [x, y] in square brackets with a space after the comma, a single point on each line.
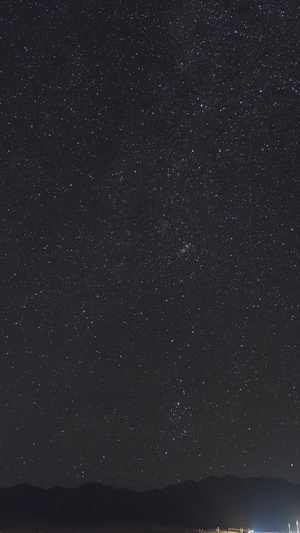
[105, 529]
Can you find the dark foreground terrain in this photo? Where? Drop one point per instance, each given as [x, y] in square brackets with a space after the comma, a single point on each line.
[142, 528]
[255, 503]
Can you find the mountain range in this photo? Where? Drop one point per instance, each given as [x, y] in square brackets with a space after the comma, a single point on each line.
[262, 504]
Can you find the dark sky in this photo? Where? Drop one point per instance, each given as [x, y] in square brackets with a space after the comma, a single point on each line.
[150, 209]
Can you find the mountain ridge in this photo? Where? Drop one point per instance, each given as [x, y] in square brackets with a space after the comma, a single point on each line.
[257, 503]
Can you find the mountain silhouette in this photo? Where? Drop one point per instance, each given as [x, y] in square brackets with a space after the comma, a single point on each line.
[262, 504]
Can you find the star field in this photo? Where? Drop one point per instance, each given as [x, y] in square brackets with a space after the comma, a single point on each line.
[150, 241]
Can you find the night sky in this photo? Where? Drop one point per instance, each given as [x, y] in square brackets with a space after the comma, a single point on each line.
[150, 227]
